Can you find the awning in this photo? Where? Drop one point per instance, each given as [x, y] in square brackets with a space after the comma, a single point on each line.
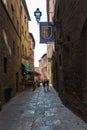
[37, 74]
[27, 67]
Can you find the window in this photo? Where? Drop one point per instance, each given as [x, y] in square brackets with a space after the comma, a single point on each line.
[60, 60]
[25, 18]
[22, 50]
[22, 30]
[21, 9]
[68, 38]
[25, 52]
[5, 65]
[14, 47]
[17, 26]
[5, 2]
[12, 9]
[18, 51]
[27, 25]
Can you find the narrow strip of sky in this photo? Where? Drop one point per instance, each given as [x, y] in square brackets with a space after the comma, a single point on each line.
[32, 5]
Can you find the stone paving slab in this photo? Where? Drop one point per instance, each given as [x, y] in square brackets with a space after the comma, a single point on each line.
[39, 110]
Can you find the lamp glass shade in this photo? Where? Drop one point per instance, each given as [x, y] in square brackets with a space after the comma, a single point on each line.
[37, 14]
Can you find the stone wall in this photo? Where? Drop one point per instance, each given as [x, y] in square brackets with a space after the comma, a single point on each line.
[43, 67]
[50, 46]
[71, 42]
[9, 49]
[15, 45]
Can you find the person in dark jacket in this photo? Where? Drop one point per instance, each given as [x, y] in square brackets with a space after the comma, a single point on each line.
[34, 85]
[44, 85]
[47, 81]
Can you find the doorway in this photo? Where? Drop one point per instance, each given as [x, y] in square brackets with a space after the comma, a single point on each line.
[84, 60]
[17, 81]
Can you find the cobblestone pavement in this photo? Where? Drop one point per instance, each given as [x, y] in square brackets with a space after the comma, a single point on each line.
[38, 110]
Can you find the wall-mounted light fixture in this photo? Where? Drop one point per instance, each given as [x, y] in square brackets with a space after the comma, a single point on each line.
[37, 15]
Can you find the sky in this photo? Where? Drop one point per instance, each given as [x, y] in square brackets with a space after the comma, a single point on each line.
[40, 49]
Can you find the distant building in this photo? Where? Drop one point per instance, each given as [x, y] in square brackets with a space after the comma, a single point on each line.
[43, 67]
[37, 75]
[31, 51]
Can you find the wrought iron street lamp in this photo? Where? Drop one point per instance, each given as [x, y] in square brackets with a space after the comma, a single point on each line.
[37, 15]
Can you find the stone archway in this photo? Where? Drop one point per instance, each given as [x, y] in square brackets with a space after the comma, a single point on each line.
[84, 60]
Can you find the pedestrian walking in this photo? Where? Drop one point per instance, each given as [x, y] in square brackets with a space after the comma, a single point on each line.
[47, 81]
[34, 85]
[38, 83]
[44, 85]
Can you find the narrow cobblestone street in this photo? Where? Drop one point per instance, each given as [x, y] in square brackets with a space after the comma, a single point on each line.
[38, 110]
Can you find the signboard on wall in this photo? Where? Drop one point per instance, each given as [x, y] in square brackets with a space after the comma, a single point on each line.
[46, 32]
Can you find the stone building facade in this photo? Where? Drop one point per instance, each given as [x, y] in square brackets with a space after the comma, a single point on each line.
[14, 33]
[40, 67]
[31, 46]
[36, 76]
[50, 46]
[10, 53]
[31, 51]
[43, 67]
[71, 54]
